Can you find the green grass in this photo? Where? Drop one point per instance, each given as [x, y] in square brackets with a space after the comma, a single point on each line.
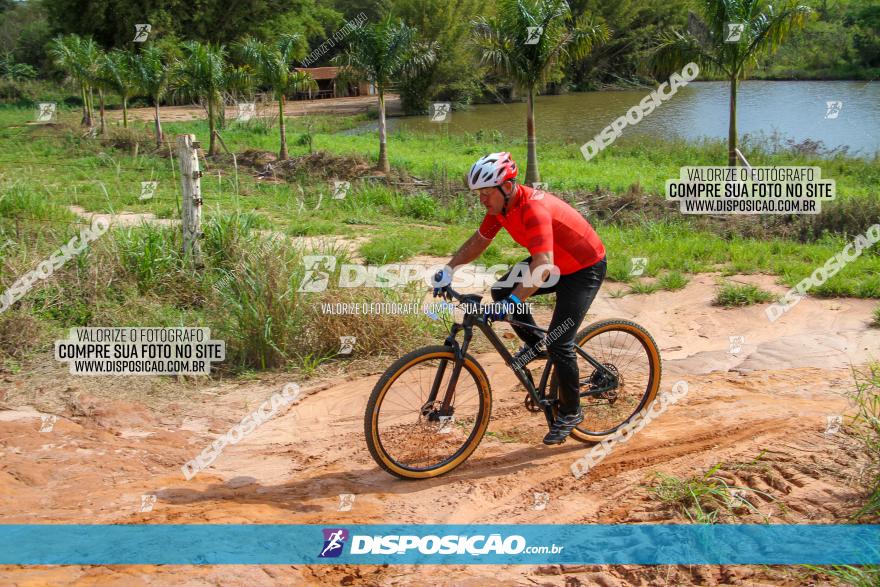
[392, 247]
[866, 427]
[876, 322]
[672, 281]
[100, 178]
[864, 576]
[247, 289]
[731, 295]
[704, 499]
[641, 287]
[648, 163]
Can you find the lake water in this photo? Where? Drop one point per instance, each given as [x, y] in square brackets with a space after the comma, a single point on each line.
[797, 110]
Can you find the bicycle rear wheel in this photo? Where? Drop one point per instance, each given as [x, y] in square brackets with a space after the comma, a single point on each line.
[630, 352]
[414, 439]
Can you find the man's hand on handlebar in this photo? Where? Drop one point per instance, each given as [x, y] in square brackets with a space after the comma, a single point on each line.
[501, 310]
[441, 282]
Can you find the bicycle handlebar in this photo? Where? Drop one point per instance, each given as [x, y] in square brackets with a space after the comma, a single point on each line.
[450, 294]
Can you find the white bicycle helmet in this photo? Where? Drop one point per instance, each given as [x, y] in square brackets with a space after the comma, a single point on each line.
[492, 170]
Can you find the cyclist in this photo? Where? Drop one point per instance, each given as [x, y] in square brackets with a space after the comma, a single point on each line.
[556, 235]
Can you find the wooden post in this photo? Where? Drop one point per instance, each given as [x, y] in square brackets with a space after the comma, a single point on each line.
[190, 181]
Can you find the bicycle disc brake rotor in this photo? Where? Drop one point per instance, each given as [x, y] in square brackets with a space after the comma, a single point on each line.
[433, 412]
[600, 379]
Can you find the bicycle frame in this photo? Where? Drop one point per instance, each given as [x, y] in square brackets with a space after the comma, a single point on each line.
[538, 394]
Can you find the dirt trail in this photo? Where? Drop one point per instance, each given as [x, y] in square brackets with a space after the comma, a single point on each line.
[346, 106]
[772, 397]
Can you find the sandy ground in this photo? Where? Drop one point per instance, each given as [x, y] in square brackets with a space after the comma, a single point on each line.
[772, 398]
[347, 106]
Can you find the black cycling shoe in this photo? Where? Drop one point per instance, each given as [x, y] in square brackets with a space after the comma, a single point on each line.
[563, 426]
[527, 354]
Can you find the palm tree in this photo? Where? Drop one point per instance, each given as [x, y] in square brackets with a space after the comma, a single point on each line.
[118, 72]
[99, 82]
[766, 24]
[273, 67]
[203, 74]
[382, 53]
[153, 72]
[78, 58]
[529, 41]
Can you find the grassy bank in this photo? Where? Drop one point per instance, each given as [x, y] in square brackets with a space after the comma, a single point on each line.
[422, 210]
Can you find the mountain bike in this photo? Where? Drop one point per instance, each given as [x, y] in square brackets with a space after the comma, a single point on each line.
[430, 409]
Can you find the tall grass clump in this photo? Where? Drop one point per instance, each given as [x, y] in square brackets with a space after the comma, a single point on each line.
[867, 428]
[673, 281]
[731, 295]
[705, 499]
[264, 313]
[270, 323]
[152, 256]
[18, 201]
[224, 235]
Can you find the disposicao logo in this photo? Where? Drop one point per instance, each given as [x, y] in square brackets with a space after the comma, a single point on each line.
[334, 540]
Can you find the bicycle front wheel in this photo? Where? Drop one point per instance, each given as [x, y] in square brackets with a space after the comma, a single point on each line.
[414, 438]
[629, 351]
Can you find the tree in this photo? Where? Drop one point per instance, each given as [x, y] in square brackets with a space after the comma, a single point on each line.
[153, 73]
[454, 76]
[119, 72]
[12, 71]
[203, 74]
[77, 57]
[381, 54]
[273, 69]
[765, 26]
[111, 22]
[24, 32]
[529, 41]
[625, 58]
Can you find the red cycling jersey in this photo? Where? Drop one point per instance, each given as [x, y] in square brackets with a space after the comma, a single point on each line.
[542, 223]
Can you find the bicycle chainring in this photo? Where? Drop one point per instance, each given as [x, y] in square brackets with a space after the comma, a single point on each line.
[531, 405]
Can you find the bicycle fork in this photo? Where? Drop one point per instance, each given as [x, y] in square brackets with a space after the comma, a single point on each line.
[445, 409]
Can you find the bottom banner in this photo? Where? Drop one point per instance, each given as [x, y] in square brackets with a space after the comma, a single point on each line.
[640, 544]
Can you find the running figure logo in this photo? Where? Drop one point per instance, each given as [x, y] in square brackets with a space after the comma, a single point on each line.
[638, 264]
[46, 111]
[141, 32]
[533, 34]
[334, 540]
[315, 279]
[734, 32]
[832, 109]
[440, 111]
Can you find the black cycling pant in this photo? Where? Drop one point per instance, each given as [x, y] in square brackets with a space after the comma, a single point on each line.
[574, 294]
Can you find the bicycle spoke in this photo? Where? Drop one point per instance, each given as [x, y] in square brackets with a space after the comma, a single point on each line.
[623, 353]
[418, 441]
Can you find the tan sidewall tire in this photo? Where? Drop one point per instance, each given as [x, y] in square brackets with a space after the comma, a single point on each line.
[382, 386]
[654, 355]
